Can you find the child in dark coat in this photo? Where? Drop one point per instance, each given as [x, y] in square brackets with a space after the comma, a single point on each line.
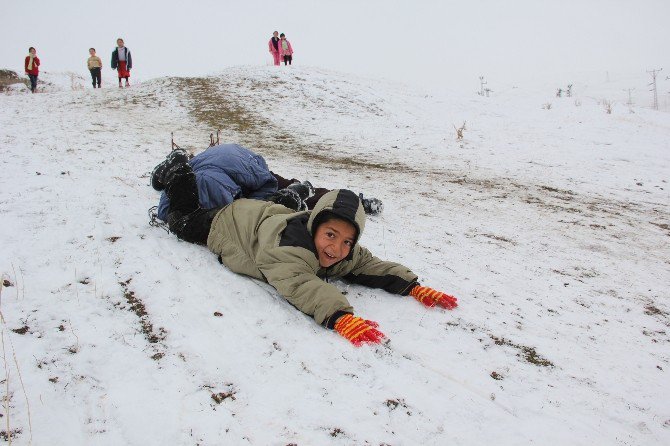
[122, 61]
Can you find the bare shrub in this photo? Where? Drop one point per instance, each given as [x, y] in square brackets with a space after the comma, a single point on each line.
[459, 131]
[608, 106]
[74, 84]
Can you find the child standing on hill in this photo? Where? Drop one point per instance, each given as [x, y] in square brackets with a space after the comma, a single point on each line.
[285, 49]
[273, 47]
[295, 252]
[31, 66]
[122, 61]
[95, 67]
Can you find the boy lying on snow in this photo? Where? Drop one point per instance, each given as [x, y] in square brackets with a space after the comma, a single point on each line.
[295, 252]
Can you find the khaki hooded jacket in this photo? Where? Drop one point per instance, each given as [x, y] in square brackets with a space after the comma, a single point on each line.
[275, 244]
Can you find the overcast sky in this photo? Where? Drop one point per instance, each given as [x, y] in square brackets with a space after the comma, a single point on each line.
[429, 42]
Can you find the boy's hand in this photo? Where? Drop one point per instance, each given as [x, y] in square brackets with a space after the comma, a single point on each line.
[358, 330]
[430, 297]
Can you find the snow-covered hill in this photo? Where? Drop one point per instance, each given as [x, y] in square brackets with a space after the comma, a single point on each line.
[550, 224]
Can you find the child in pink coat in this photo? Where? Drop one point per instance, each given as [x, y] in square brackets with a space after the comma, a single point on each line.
[273, 47]
[285, 49]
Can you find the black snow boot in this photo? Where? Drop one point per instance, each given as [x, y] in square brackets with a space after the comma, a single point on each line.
[158, 174]
[371, 206]
[289, 198]
[304, 189]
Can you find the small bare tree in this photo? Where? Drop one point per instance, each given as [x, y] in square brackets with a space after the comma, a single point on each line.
[568, 92]
[608, 106]
[459, 132]
[547, 106]
[559, 92]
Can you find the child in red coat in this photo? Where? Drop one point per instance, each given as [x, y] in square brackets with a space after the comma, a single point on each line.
[31, 66]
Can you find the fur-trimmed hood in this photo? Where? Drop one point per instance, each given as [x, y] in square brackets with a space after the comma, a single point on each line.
[343, 203]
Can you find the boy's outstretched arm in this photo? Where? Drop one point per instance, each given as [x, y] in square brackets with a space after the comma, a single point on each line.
[397, 279]
[373, 272]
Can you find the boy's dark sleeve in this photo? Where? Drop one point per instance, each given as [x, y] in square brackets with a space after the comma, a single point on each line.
[371, 271]
[130, 61]
[113, 60]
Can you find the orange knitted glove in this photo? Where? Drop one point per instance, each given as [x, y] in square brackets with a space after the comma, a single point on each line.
[358, 330]
[430, 297]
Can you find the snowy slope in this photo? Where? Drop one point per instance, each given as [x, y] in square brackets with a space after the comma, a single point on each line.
[550, 225]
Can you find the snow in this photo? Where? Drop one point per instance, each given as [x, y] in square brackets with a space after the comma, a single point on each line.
[551, 226]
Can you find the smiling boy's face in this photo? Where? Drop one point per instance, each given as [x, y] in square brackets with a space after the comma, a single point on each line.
[334, 240]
